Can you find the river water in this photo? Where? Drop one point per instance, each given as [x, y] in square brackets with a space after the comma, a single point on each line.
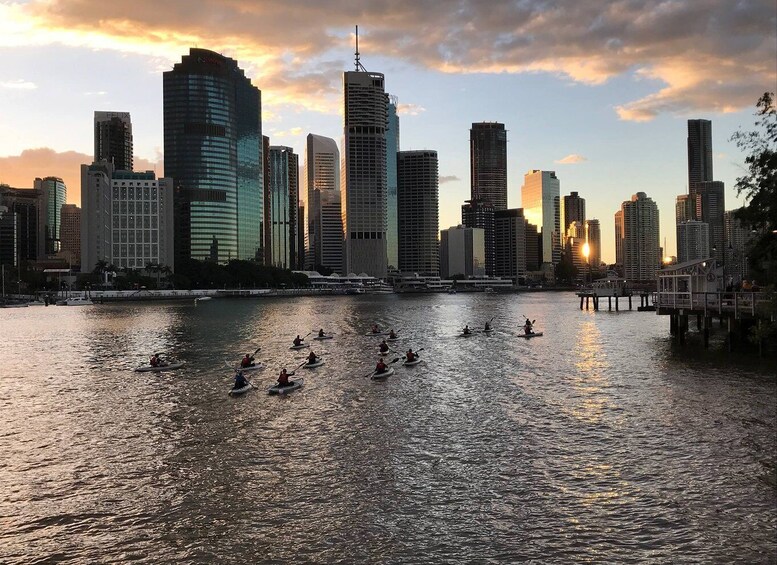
[597, 442]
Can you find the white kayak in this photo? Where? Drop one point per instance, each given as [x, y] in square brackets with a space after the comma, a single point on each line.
[292, 386]
[488, 331]
[168, 367]
[533, 334]
[381, 376]
[318, 363]
[412, 363]
[237, 391]
[470, 334]
[256, 367]
[392, 338]
[323, 337]
[388, 351]
[300, 346]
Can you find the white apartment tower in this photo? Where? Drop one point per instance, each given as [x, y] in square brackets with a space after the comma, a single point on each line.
[639, 238]
[321, 194]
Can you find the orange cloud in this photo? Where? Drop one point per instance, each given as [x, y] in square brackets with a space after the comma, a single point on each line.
[21, 170]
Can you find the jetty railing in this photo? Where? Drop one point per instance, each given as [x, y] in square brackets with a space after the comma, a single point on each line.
[752, 304]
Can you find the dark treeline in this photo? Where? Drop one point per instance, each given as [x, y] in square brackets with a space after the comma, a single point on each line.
[235, 274]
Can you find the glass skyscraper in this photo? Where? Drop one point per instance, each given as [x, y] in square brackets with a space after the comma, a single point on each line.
[392, 148]
[53, 195]
[213, 152]
[540, 196]
[488, 163]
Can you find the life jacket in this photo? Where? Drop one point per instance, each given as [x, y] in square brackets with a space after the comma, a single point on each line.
[246, 362]
[154, 362]
[410, 356]
[380, 368]
[283, 379]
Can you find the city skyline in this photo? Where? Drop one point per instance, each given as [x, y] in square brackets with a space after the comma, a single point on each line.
[604, 106]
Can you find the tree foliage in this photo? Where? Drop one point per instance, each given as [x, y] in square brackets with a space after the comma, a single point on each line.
[235, 274]
[759, 185]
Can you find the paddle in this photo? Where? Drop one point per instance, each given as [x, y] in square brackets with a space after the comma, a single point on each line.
[389, 363]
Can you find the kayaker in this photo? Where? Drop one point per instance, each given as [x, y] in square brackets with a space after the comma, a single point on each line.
[392, 335]
[298, 340]
[283, 379]
[384, 347]
[381, 367]
[321, 332]
[375, 328]
[247, 361]
[527, 327]
[487, 327]
[410, 355]
[156, 361]
[467, 331]
[312, 358]
[240, 380]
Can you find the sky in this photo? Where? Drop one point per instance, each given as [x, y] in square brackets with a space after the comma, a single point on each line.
[598, 91]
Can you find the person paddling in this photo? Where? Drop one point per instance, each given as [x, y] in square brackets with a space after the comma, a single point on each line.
[411, 356]
[384, 347]
[156, 361]
[312, 358]
[321, 332]
[375, 329]
[381, 367]
[297, 340]
[487, 327]
[527, 327]
[467, 331]
[283, 379]
[392, 334]
[240, 380]
[247, 361]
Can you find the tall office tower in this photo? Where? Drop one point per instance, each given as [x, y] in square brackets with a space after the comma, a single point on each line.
[640, 238]
[363, 178]
[710, 208]
[488, 163]
[324, 226]
[300, 236]
[293, 208]
[213, 151]
[23, 204]
[53, 195]
[574, 241]
[738, 240]
[392, 148]
[619, 237]
[113, 139]
[573, 210]
[418, 212]
[8, 238]
[540, 198]
[71, 233]
[693, 241]
[264, 255]
[593, 235]
[462, 252]
[685, 208]
[126, 218]
[533, 248]
[480, 214]
[282, 206]
[510, 243]
[699, 153]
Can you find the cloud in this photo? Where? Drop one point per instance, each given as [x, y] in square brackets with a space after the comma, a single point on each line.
[286, 133]
[18, 84]
[410, 109]
[21, 170]
[703, 55]
[571, 159]
[447, 178]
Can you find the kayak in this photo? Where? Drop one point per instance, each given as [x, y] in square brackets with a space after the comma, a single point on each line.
[488, 331]
[385, 352]
[323, 337]
[300, 346]
[470, 334]
[382, 376]
[412, 363]
[251, 368]
[533, 334]
[294, 385]
[392, 338]
[318, 363]
[237, 391]
[168, 367]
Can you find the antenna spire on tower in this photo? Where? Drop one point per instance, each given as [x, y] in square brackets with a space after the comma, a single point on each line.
[359, 66]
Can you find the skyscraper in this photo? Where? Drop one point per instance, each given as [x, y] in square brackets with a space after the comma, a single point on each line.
[392, 148]
[324, 226]
[593, 235]
[573, 210]
[363, 180]
[510, 241]
[710, 208]
[640, 238]
[738, 238]
[71, 233]
[53, 195]
[699, 153]
[488, 163]
[540, 198]
[480, 214]
[462, 252]
[282, 205]
[23, 204]
[692, 241]
[113, 139]
[418, 212]
[213, 151]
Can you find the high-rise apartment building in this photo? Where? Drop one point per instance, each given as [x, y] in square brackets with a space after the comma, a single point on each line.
[363, 179]
[619, 237]
[710, 208]
[641, 249]
[699, 153]
[113, 139]
[573, 210]
[533, 248]
[22, 214]
[510, 241]
[738, 239]
[693, 241]
[574, 245]
[418, 212]
[488, 163]
[480, 214]
[324, 226]
[462, 252]
[126, 218]
[71, 234]
[8, 238]
[392, 148]
[53, 195]
[593, 235]
[540, 195]
[213, 151]
[282, 204]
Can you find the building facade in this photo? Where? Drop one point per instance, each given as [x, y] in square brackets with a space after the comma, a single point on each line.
[480, 214]
[510, 242]
[281, 205]
[71, 234]
[392, 219]
[593, 236]
[488, 163]
[640, 238]
[113, 139]
[693, 241]
[363, 177]
[738, 241]
[462, 252]
[53, 194]
[324, 226]
[213, 151]
[418, 212]
[22, 215]
[710, 209]
[699, 154]
[540, 195]
[573, 210]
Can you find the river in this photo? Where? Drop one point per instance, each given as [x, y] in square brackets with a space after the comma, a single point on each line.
[598, 442]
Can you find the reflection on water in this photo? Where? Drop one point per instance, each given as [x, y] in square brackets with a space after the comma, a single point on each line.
[596, 442]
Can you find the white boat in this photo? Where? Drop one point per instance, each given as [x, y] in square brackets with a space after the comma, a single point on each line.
[412, 363]
[292, 386]
[382, 376]
[168, 367]
[318, 363]
[533, 334]
[202, 299]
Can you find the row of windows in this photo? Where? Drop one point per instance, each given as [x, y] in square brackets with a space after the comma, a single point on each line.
[135, 222]
[132, 236]
[367, 235]
[135, 207]
[129, 193]
[150, 251]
